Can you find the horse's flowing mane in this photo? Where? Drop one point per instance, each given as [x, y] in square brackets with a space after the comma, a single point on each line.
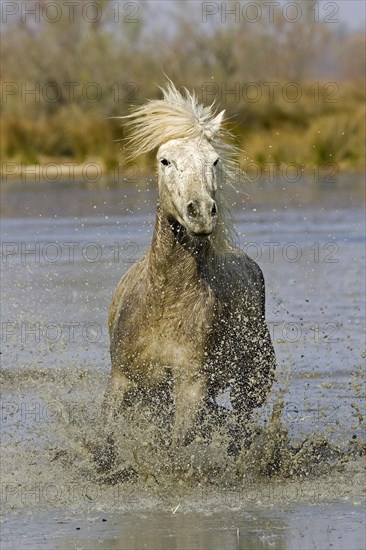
[181, 116]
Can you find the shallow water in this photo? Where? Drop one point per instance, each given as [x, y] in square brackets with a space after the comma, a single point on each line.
[65, 246]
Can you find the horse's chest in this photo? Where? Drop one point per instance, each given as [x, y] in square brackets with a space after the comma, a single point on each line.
[177, 330]
[164, 348]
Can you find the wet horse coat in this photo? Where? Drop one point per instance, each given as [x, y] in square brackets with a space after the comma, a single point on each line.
[190, 315]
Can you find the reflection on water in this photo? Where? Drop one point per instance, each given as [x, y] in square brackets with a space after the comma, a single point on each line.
[285, 529]
[65, 246]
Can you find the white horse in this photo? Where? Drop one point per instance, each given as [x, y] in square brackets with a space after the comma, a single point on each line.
[188, 318]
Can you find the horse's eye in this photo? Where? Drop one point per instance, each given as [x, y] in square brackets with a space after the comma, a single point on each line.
[165, 162]
[216, 161]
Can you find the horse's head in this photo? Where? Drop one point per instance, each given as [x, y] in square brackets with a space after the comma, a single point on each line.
[188, 178]
[194, 160]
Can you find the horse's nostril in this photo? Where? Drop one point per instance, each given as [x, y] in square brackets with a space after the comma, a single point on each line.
[214, 210]
[192, 210]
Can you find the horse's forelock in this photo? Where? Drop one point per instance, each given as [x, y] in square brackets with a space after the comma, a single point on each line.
[173, 117]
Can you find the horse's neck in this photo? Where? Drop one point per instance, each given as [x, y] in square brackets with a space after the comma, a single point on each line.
[174, 258]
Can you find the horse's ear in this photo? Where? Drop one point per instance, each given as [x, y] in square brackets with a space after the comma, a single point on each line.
[214, 126]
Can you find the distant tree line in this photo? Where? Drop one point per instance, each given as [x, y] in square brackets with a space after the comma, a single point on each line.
[292, 86]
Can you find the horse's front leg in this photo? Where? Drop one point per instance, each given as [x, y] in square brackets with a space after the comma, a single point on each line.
[117, 388]
[189, 400]
[252, 390]
[116, 391]
[240, 431]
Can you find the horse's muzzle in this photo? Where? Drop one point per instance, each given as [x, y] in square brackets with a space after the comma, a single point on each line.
[200, 217]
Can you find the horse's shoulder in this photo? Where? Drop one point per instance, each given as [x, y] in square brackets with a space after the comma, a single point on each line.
[247, 269]
[126, 287]
[248, 279]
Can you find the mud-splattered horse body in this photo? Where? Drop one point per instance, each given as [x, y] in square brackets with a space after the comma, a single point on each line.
[190, 313]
